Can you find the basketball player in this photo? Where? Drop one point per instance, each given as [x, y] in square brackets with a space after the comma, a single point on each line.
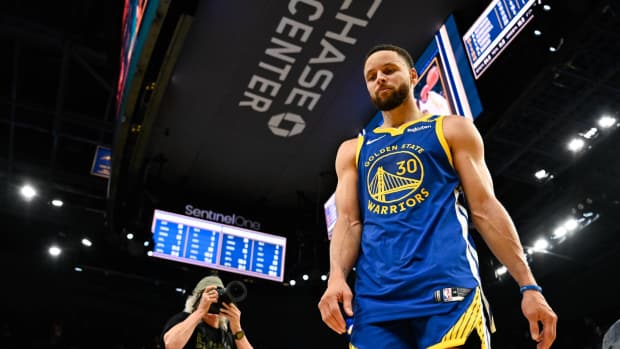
[402, 223]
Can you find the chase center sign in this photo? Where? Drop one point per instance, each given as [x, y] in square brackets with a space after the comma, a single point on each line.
[272, 89]
[231, 219]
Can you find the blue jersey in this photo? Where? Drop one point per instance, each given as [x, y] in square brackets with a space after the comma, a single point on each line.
[415, 238]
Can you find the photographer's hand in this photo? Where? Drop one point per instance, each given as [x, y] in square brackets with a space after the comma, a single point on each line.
[208, 297]
[230, 311]
[233, 314]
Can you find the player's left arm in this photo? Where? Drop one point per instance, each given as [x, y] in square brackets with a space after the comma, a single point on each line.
[494, 223]
[488, 214]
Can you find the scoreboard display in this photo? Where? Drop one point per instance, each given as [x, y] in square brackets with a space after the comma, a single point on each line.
[214, 245]
[498, 25]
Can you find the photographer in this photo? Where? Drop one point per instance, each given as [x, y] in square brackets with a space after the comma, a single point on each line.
[201, 326]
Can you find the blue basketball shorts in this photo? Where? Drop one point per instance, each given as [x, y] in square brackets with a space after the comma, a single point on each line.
[433, 332]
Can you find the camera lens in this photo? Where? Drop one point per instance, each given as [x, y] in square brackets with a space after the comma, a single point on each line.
[235, 292]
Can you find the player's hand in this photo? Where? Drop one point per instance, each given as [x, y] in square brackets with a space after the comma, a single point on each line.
[337, 292]
[538, 312]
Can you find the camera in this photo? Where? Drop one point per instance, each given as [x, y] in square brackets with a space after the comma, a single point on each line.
[234, 292]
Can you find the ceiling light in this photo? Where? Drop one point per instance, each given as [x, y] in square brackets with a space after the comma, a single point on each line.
[537, 32]
[129, 236]
[324, 277]
[57, 203]
[180, 290]
[606, 121]
[149, 253]
[78, 269]
[86, 242]
[571, 224]
[576, 144]
[305, 277]
[28, 192]
[547, 7]
[591, 133]
[541, 245]
[146, 244]
[557, 46]
[559, 232]
[292, 282]
[541, 174]
[501, 271]
[54, 251]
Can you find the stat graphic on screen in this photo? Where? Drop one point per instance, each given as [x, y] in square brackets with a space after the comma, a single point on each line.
[498, 25]
[219, 246]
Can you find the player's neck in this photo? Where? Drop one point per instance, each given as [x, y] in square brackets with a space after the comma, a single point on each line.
[404, 113]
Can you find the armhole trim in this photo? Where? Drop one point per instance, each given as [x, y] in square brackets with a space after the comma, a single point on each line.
[360, 142]
[442, 140]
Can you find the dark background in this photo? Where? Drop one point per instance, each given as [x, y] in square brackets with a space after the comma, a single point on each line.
[187, 141]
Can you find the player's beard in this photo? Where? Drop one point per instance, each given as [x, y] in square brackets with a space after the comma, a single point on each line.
[393, 100]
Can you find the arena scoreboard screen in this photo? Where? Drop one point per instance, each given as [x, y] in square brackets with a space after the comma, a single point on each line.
[214, 245]
[498, 25]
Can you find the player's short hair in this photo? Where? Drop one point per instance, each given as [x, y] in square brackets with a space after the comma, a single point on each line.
[389, 47]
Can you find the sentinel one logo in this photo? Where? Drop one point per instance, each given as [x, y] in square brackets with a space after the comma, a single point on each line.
[232, 219]
[303, 80]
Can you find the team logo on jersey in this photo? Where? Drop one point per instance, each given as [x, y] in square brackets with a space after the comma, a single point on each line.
[394, 179]
[394, 176]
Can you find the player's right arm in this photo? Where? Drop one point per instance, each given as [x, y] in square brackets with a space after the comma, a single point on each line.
[345, 242]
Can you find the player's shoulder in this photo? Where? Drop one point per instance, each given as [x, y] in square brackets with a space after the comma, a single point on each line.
[457, 119]
[350, 141]
[457, 128]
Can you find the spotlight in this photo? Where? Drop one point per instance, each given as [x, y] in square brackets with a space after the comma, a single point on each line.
[547, 7]
[537, 32]
[557, 46]
[501, 271]
[292, 282]
[149, 253]
[57, 203]
[571, 224]
[324, 277]
[86, 242]
[78, 269]
[606, 121]
[305, 277]
[576, 144]
[28, 192]
[591, 133]
[55, 251]
[541, 174]
[129, 236]
[559, 232]
[541, 245]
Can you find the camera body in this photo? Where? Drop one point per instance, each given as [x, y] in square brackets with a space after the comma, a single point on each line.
[234, 292]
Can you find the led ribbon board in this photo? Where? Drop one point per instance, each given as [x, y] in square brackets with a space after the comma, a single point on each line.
[498, 25]
[213, 245]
